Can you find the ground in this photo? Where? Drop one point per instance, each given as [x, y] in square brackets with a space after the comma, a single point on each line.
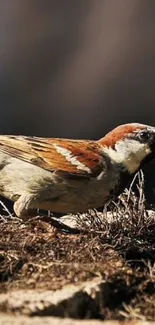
[103, 271]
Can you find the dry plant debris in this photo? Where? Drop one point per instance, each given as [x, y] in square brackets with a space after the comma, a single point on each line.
[120, 251]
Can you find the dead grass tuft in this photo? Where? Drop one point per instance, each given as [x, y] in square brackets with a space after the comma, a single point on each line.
[118, 245]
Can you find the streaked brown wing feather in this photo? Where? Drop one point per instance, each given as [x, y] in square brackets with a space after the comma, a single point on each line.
[41, 152]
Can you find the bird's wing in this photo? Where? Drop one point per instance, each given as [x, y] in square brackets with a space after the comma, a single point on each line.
[79, 158]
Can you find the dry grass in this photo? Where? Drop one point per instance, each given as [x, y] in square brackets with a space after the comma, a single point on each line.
[122, 251]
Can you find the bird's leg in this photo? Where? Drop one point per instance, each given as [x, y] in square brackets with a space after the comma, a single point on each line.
[23, 208]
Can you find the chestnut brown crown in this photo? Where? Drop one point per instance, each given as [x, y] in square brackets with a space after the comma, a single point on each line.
[132, 145]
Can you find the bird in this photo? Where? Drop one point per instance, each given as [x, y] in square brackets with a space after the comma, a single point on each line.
[68, 175]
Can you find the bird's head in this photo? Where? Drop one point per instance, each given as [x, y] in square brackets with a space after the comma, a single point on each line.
[131, 145]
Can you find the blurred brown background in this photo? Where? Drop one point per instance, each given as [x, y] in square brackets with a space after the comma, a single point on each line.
[76, 68]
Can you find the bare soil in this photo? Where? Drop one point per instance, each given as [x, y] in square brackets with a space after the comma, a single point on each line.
[36, 257]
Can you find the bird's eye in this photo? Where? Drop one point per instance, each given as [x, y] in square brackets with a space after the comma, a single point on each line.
[144, 136]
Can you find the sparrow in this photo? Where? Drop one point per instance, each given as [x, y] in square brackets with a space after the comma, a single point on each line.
[70, 176]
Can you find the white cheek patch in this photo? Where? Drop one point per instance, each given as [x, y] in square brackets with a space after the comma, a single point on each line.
[69, 157]
[129, 152]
